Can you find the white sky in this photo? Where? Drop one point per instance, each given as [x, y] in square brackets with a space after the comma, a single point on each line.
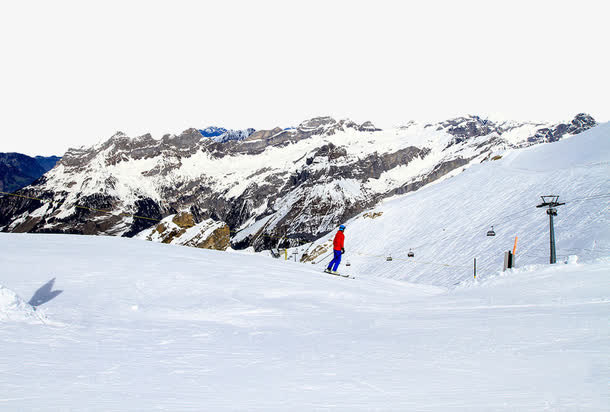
[74, 72]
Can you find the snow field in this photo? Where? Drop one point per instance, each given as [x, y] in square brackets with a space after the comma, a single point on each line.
[147, 326]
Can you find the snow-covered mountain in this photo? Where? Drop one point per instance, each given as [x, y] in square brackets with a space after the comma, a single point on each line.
[265, 185]
[221, 135]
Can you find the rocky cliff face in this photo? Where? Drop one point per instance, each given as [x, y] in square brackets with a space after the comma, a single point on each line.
[579, 124]
[181, 229]
[266, 186]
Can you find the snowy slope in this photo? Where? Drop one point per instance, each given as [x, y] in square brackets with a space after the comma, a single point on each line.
[445, 224]
[145, 326]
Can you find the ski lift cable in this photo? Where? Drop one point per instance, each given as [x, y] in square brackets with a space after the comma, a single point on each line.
[593, 196]
[506, 219]
[593, 216]
[413, 261]
[515, 215]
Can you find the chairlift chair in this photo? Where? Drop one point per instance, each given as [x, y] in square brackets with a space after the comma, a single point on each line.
[347, 263]
[491, 232]
[389, 258]
[410, 254]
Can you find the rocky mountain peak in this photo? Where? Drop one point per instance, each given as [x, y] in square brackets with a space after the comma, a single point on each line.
[581, 122]
[118, 135]
[467, 127]
[368, 127]
[187, 139]
[264, 134]
[234, 135]
[316, 123]
[328, 126]
[212, 131]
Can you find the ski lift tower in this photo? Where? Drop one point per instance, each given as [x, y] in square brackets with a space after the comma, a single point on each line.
[552, 202]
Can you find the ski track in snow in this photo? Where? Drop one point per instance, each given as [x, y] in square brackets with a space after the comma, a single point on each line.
[146, 326]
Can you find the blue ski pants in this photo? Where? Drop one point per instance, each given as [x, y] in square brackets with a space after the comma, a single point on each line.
[336, 260]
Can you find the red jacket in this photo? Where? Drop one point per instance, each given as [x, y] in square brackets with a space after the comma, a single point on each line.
[338, 242]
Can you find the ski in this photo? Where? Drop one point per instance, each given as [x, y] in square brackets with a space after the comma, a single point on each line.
[338, 274]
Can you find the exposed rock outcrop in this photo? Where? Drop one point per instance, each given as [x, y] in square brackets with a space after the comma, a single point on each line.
[181, 229]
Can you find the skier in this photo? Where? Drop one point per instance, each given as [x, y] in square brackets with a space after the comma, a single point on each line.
[338, 251]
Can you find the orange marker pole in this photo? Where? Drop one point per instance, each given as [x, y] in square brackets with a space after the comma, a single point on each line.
[515, 247]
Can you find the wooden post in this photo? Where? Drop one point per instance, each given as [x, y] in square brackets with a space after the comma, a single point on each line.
[509, 261]
[475, 268]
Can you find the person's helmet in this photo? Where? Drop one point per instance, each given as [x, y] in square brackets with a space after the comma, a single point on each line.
[342, 227]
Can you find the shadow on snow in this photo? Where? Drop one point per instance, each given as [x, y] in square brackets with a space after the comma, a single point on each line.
[44, 294]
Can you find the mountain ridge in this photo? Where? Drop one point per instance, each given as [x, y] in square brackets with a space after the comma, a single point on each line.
[296, 183]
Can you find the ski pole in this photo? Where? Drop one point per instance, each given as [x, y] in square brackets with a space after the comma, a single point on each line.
[321, 259]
